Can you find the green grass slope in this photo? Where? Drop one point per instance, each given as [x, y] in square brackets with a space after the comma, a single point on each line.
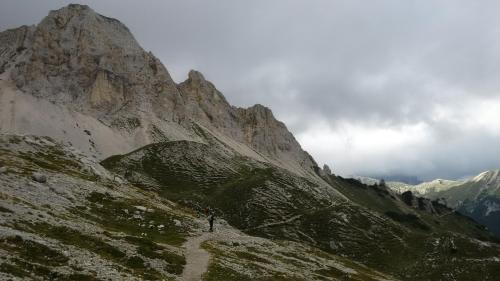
[84, 223]
[374, 227]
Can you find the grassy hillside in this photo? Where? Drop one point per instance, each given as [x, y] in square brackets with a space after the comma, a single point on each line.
[375, 227]
[477, 198]
[84, 223]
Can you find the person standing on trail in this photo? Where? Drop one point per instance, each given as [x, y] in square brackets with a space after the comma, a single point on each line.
[211, 218]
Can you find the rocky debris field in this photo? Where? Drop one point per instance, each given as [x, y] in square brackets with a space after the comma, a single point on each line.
[85, 223]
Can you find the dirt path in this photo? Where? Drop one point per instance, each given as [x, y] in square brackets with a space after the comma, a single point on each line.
[197, 258]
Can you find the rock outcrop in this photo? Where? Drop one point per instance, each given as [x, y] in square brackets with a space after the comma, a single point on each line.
[39, 177]
[423, 204]
[96, 74]
[327, 170]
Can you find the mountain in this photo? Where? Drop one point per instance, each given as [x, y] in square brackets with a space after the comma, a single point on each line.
[478, 197]
[82, 78]
[425, 188]
[374, 226]
[366, 180]
[117, 164]
[85, 223]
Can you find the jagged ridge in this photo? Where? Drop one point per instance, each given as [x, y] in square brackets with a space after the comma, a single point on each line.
[92, 64]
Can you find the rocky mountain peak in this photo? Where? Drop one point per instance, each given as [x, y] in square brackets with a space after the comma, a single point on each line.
[72, 10]
[91, 63]
[261, 111]
[70, 23]
[196, 77]
[80, 60]
[76, 7]
[202, 91]
[488, 176]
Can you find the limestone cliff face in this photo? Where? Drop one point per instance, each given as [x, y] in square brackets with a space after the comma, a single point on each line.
[255, 126]
[11, 45]
[265, 133]
[104, 92]
[205, 104]
[87, 63]
[78, 57]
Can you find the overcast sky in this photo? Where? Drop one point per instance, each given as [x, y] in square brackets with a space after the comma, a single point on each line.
[368, 87]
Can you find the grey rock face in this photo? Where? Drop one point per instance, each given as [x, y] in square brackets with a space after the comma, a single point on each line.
[255, 126]
[325, 173]
[92, 64]
[39, 177]
[78, 57]
[3, 170]
[327, 170]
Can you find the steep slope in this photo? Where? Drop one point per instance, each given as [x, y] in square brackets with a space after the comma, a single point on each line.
[108, 96]
[478, 198]
[217, 175]
[486, 184]
[84, 223]
[75, 221]
[374, 226]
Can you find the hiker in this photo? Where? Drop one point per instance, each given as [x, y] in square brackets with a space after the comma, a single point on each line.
[211, 218]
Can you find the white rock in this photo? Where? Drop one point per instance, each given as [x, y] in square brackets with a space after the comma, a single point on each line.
[141, 208]
[39, 177]
[177, 222]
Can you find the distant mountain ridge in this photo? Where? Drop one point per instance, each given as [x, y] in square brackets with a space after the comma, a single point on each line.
[424, 188]
[478, 197]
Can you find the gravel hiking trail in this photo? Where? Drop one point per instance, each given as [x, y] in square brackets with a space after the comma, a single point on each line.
[197, 258]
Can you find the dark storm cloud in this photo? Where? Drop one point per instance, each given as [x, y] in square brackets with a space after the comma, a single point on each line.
[412, 69]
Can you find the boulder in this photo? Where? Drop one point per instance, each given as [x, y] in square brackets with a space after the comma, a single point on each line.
[39, 177]
[3, 170]
[141, 208]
